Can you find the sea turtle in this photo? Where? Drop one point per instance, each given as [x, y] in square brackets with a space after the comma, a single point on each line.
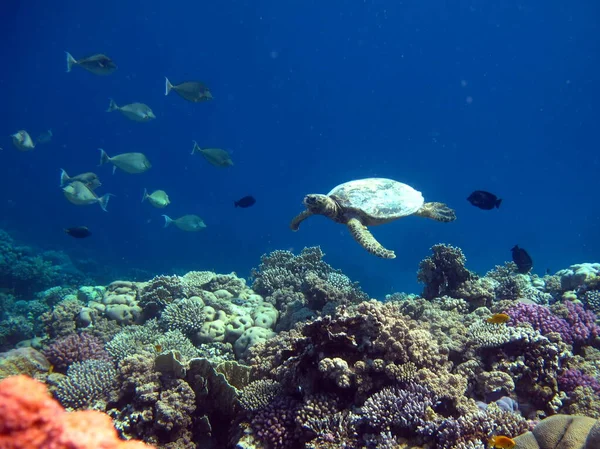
[370, 202]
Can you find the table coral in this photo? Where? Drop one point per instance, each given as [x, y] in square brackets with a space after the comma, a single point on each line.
[31, 419]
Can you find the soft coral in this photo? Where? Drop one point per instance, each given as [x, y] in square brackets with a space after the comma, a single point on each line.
[31, 419]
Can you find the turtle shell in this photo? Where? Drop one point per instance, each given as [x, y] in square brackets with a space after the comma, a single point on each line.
[379, 199]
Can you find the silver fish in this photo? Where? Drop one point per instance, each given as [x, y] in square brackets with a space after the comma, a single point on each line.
[128, 162]
[216, 156]
[189, 223]
[193, 91]
[22, 140]
[89, 179]
[97, 64]
[81, 195]
[158, 198]
[138, 112]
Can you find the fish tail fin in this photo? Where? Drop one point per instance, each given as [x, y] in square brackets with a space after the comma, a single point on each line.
[64, 178]
[112, 106]
[498, 202]
[235, 204]
[70, 61]
[145, 195]
[168, 86]
[103, 201]
[196, 147]
[103, 157]
[168, 220]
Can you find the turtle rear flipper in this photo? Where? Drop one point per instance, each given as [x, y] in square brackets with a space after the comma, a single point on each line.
[295, 224]
[437, 211]
[364, 237]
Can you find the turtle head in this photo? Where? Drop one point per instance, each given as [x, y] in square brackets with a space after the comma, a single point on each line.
[320, 205]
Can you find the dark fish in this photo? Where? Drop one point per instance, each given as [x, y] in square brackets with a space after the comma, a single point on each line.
[247, 201]
[523, 260]
[79, 232]
[484, 200]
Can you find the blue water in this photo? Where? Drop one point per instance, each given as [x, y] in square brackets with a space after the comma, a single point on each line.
[449, 97]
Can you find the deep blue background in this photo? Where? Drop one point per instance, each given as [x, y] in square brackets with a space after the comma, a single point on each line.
[446, 96]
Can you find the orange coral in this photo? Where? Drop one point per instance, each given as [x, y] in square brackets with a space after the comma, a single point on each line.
[31, 419]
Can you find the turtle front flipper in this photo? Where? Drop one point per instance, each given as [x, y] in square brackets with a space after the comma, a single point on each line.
[295, 224]
[363, 236]
[437, 211]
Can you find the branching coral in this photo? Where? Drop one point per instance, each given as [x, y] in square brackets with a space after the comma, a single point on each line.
[75, 348]
[301, 286]
[403, 411]
[159, 292]
[88, 385]
[259, 394]
[275, 425]
[62, 319]
[576, 327]
[443, 272]
[149, 339]
[186, 315]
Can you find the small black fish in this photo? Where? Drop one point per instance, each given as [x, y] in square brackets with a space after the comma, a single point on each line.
[484, 200]
[79, 232]
[247, 201]
[522, 259]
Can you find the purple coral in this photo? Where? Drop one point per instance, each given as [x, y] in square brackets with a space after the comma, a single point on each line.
[541, 318]
[75, 348]
[275, 423]
[400, 408]
[573, 378]
[578, 327]
[582, 322]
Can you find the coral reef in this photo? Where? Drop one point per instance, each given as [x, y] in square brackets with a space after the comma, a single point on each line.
[26, 270]
[303, 359]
